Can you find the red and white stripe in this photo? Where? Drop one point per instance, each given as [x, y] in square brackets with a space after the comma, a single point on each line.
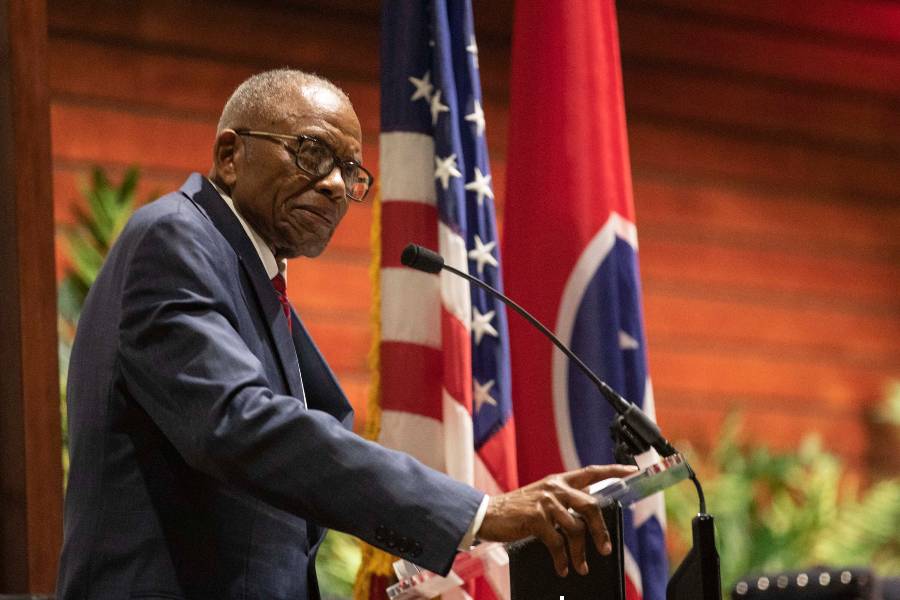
[426, 358]
[425, 354]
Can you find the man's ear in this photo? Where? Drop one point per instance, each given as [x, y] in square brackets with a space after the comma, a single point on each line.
[225, 153]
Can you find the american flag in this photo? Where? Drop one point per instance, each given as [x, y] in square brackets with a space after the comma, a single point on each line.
[568, 162]
[445, 379]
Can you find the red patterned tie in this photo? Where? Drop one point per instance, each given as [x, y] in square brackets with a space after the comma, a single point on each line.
[281, 289]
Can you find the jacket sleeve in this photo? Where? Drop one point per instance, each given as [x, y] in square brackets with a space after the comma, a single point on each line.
[185, 363]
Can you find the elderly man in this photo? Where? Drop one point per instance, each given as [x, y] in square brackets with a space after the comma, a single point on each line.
[210, 442]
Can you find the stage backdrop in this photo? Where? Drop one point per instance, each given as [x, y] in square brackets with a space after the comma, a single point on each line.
[765, 147]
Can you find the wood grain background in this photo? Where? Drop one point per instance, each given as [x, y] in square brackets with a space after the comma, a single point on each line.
[765, 146]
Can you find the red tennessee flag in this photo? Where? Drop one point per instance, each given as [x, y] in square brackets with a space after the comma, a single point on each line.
[570, 250]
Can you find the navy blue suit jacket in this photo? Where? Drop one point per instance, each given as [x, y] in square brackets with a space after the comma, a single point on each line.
[209, 446]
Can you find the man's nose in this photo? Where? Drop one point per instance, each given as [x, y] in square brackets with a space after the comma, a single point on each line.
[332, 185]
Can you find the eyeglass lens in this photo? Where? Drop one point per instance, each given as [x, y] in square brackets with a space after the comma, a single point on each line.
[317, 158]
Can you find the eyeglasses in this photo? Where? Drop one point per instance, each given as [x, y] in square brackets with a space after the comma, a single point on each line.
[316, 158]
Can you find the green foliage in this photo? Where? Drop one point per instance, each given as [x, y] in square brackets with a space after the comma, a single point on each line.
[338, 560]
[787, 510]
[89, 239]
[86, 244]
[889, 411]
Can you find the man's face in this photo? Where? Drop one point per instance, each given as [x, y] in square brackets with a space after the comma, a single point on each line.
[294, 212]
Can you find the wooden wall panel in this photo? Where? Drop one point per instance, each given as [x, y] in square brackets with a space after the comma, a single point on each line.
[694, 38]
[765, 147]
[241, 31]
[159, 82]
[335, 285]
[345, 339]
[746, 104]
[765, 143]
[772, 379]
[770, 218]
[729, 157]
[701, 261]
[854, 336]
[849, 19]
[702, 422]
[259, 33]
[90, 133]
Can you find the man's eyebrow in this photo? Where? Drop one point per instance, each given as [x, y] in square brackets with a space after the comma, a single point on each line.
[354, 155]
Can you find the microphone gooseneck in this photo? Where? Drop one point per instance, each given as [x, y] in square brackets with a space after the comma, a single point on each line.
[636, 420]
[632, 431]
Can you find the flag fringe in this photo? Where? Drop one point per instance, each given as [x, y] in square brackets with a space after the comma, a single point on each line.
[372, 428]
[376, 564]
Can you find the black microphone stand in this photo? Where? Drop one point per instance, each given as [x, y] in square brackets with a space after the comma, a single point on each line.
[698, 577]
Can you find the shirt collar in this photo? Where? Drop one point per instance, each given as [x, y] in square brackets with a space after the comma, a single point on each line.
[272, 265]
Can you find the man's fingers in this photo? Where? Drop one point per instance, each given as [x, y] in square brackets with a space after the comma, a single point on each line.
[600, 534]
[581, 478]
[573, 529]
[586, 506]
[554, 542]
[561, 516]
[541, 507]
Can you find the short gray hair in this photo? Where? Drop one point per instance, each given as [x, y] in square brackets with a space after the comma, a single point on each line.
[260, 99]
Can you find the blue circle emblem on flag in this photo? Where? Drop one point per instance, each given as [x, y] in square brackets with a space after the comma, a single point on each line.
[600, 319]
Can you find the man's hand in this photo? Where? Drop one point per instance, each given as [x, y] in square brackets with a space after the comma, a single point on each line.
[539, 508]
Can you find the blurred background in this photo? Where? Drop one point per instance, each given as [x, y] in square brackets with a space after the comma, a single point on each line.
[765, 150]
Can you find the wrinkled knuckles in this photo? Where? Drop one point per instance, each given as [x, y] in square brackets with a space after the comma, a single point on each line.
[546, 499]
[557, 487]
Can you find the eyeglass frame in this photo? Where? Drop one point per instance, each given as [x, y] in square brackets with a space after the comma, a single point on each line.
[300, 138]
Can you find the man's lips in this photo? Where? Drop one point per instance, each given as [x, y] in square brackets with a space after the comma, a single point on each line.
[322, 214]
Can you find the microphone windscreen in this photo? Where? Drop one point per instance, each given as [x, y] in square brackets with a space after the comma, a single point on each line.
[421, 258]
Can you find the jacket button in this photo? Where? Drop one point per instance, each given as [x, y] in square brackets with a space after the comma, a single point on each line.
[381, 533]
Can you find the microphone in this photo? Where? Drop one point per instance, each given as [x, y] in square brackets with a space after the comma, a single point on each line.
[632, 424]
[633, 432]
[421, 258]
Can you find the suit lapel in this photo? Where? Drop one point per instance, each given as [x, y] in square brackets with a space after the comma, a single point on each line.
[323, 391]
[199, 190]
